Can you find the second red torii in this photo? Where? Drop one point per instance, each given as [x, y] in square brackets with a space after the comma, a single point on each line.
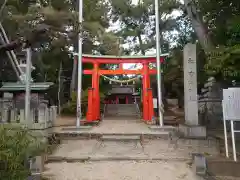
[93, 113]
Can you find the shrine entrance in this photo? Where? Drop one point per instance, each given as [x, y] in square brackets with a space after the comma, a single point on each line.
[93, 112]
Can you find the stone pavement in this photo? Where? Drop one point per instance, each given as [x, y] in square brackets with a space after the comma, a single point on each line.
[158, 149]
[115, 126]
[121, 170]
[153, 159]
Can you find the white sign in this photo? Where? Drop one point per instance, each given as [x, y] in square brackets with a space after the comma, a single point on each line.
[231, 104]
[231, 112]
[155, 106]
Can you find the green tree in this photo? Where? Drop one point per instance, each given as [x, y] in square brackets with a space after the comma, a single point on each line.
[17, 146]
[19, 18]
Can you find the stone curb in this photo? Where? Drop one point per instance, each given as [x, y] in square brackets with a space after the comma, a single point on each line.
[81, 128]
[200, 166]
[98, 135]
[120, 138]
[52, 159]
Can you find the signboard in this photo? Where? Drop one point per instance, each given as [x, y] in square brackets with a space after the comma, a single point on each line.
[231, 112]
[231, 104]
[155, 106]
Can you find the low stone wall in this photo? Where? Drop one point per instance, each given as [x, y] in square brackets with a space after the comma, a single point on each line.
[41, 118]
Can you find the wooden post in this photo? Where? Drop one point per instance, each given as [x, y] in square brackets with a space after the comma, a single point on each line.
[96, 97]
[145, 91]
[90, 111]
[121, 66]
[150, 105]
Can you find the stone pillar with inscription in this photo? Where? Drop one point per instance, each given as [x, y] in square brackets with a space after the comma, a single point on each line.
[190, 85]
[191, 128]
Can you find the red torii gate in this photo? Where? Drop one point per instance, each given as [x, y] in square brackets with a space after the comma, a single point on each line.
[93, 112]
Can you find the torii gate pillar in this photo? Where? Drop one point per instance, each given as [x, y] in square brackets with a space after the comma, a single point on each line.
[148, 112]
[93, 112]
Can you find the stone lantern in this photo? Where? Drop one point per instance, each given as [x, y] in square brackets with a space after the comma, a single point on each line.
[23, 64]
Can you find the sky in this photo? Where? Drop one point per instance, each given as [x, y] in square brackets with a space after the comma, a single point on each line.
[116, 26]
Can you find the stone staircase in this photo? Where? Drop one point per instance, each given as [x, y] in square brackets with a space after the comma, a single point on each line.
[122, 110]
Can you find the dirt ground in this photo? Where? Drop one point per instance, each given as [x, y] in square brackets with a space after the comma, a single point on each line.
[121, 170]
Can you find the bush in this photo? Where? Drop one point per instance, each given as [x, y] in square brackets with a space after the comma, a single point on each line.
[70, 107]
[17, 146]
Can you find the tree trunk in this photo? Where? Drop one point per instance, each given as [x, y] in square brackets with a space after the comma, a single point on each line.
[141, 43]
[198, 25]
[59, 87]
[74, 77]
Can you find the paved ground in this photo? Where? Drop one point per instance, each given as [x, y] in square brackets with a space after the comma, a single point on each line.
[112, 126]
[123, 170]
[147, 149]
[96, 169]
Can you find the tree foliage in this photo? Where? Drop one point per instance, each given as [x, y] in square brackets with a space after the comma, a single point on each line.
[217, 20]
[224, 21]
[61, 17]
[138, 22]
[17, 146]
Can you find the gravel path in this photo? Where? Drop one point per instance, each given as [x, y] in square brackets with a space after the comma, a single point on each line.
[122, 170]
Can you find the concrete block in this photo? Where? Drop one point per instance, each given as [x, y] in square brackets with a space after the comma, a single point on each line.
[192, 131]
[34, 177]
[223, 167]
[37, 164]
[77, 128]
[120, 138]
[200, 164]
[164, 128]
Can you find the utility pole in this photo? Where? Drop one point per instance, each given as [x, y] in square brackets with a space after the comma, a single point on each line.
[79, 89]
[158, 50]
[28, 86]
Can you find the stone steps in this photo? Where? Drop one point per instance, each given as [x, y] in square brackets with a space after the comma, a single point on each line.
[89, 135]
[126, 116]
[120, 138]
[55, 159]
[164, 128]
[121, 114]
[115, 148]
[121, 110]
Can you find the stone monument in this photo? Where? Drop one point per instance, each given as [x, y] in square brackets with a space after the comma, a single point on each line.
[191, 128]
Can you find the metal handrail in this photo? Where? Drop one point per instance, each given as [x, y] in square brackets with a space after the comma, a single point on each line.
[104, 109]
[138, 109]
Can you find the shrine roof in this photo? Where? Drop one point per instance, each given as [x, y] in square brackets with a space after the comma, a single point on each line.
[18, 86]
[119, 57]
